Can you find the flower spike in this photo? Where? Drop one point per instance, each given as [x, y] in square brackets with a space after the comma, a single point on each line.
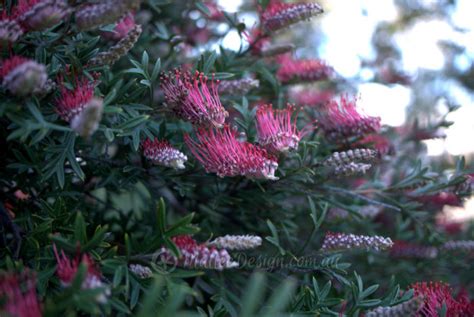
[408, 308]
[92, 16]
[222, 153]
[10, 29]
[121, 48]
[197, 256]
[343, 120]
[276, 130]
[80, 108]
[279, 15]
[342, 241]
[192, 99]
[294, 71]
[67, 268]
[22, 76]
[231, 242]
[238, 86]
[37, 15]
[404, 249]
[162, 153]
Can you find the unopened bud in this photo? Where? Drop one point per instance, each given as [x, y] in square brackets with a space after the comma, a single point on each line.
[238, 86]
[22, 76]
[44, 14]
[408, 308]
[112, 55]
[106, 12]
[141, 271]
[277, 49]
[347, 157]
[10, 31]
[351, 169]
[342, 241]
[231, 242]
[87, 121]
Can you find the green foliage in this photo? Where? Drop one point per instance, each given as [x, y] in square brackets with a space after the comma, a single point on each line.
[101, 197]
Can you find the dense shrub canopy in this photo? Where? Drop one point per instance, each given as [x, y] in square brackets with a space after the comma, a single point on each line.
[148, 171]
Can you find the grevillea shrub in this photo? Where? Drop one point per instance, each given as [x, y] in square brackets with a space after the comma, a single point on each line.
[147, 171]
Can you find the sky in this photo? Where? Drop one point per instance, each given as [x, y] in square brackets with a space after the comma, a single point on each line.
[419, 48]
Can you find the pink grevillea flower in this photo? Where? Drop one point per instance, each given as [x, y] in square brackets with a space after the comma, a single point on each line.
[279, 15]
[162, 153]
[72, 102]
[342, 241]
[18, 295]
[437, 294]
[343, 120]
[22, 76]
[80, 108]
[38, 15]
[192, 99]
[125, 25]
[302, 70]
[67, 268]
[220, 152]
[404, 249]
[199, 256]
[276, 130]
[312, 98]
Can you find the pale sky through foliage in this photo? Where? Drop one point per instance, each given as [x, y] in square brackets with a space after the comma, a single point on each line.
[419, 48]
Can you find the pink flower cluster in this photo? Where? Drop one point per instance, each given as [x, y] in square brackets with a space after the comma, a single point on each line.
[220, 152]
[67, 268]
[276, 130]
[80, 108]
[437, 294]
[279, 15]
[162, 153]
[192, 99]
[72, 102]
[198, 256]
[302, 70]
[342, 120]
[18, 295]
